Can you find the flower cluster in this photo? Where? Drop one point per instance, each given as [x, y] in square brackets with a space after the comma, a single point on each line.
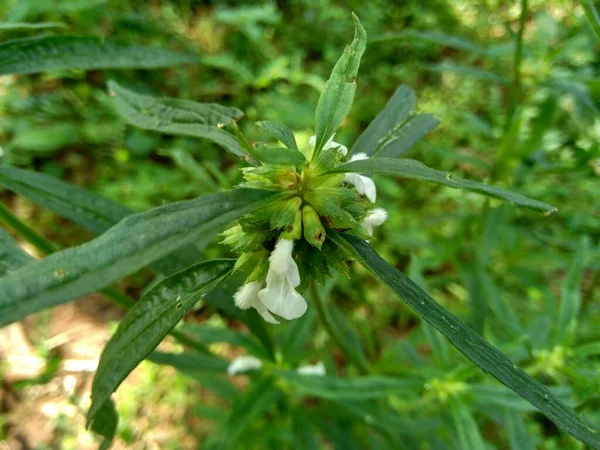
[285, 243]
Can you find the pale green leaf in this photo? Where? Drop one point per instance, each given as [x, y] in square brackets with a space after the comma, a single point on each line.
[468, 71]
[29, 26]
[472, 345]
[433, 37]
[469, 437]
[280, 156]
[518, 436]
[333, 388]
[133, 243]
[335, 102]
[280, 132]
[149, 321]
[409, 168]
[592, 15]
[182, 117]
[45, 53]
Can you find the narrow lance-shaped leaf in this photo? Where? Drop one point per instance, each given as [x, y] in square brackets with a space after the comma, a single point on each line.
[149, 321]
[335, 102]
[334, 388]
[182, 117]
[44, 53]
[410, 168]
[468, 71]
[12, 257]
[280, 132]
[92, 211]
[570, 301]
[396, 128]
[105, 423]
[482, 353]
[9, 26]
[433, 37]
[592, 15]
[130, 245]
[469, 437]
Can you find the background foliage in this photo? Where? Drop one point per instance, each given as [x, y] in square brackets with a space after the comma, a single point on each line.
[528, 283]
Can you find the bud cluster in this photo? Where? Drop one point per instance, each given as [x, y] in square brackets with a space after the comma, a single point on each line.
[284, 245]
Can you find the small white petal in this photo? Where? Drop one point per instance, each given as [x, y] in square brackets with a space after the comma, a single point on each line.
[359, 157]
[245, 296]
[281, 298]
[375, 217]
[364, 185]
[316, 369]
[243, 364]
[281, 256]
[264, 312]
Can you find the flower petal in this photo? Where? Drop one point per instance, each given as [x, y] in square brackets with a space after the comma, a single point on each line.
[281, 298]
[264, 312]
[243, 364]
[364, 185]
[244, 297]
[316, 369]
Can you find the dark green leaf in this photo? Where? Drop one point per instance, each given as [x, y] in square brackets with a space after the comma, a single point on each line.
[173, 116]
[210, 335]
[283, 156]
[130, 245]
[570, 301]
[483, 354]
[105, 423]
[396, 128]
[334, 388]
[149, 321]
[433, 37]
[12, 257]
[280, 132]
[498, 395]
[189, 363]
[409, 168]
[44, 53]
[335, 102]
[85, 208]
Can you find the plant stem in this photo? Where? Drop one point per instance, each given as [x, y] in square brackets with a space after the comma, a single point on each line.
[515, 87]
[334, 333]
[46, 247]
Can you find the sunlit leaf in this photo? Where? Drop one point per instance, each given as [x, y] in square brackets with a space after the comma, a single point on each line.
[409, 168]
[335, 102]
[173, 116]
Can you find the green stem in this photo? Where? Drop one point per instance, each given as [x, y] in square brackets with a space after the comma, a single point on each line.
[515, 87]
[46, 247]
[334, 333]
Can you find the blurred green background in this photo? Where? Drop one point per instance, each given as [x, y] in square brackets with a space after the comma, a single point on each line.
[271, 60]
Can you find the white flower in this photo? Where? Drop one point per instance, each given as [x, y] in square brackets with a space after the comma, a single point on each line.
[364, 185]
[374, 218]
[243, 364]
[317, 369]
[342, 149]
[247, 297]
[280, 296]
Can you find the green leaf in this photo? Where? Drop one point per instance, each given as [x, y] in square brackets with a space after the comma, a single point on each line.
[149, 321]
[396, 128]
[44, 53]
[46, 139]
[335, 102]
[189, 363]
[29, 26]
[592, 15]
[479, 351]
[282, 156]
[468, 71]
[130, 245]
[105, 423]
[501, 396]
[182, 117]
[518, 437]
[570, 302]
[469, 437]
[85, 208]
[280, 132]
[409, 168]
[334, 388]
[210, 335]
[12, 257]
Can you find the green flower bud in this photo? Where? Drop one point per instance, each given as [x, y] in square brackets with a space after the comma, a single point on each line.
[314, 231]
[294, 232]
[284, 213]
